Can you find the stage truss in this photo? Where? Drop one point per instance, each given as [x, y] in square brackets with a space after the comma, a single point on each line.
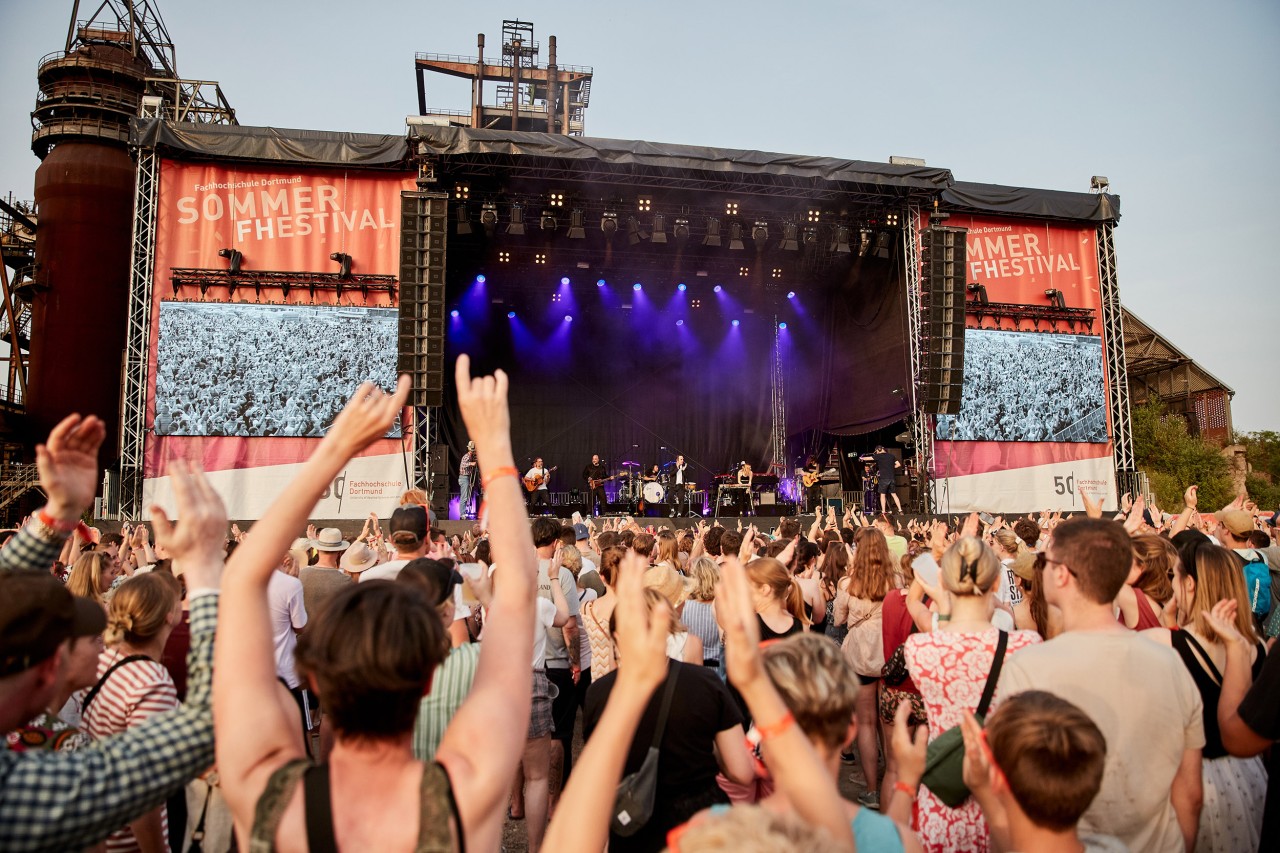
[922, 435]
[1127, 479]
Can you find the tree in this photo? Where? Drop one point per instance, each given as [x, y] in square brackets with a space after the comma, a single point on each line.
[1174, 459]
[1262, 451]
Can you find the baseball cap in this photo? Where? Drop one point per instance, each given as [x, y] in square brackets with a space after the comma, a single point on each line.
[1237, 521]
[433, 576]
[37, 614]
[409, 519]
[580, 532]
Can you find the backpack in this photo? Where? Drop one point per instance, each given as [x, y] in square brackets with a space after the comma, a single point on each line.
[1257, 583]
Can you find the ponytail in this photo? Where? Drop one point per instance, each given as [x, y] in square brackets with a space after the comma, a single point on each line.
[795, 603]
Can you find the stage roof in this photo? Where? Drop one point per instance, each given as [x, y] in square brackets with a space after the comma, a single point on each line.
[552, 156]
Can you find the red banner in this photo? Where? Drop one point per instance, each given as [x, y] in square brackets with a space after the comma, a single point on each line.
[281, 220]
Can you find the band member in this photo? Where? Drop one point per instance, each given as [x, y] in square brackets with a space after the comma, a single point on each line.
[540, 495]
[680, 485]
[595, 473]
[812, 489]
[651, 476]
[745, 476]
[468, 468]
[886, 463]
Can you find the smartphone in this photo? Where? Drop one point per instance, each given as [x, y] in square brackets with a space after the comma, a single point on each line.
[986, 517]
[470, 571]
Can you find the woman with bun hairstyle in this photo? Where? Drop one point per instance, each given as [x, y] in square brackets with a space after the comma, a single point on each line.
[1148, 588]
[950, 665]
[133, 685]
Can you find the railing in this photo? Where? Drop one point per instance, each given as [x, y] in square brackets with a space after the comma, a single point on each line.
[472, 60]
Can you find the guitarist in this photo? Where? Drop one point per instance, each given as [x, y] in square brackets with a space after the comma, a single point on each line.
[535, 479]
[809, 479]
[595, 475]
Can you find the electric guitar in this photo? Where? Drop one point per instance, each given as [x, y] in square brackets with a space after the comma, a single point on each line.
[592, 484]
[808, 478]
[531, 484]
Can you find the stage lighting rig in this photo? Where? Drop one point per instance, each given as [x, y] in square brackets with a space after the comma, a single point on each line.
[681, 230]
[547, 222]
[760, 233]
[659, 227]
[464, 218]
[609, 223]
[1099, 183]
[516, 225]
[577, 224]
[981, 290]
[840, 241]
[713, 232]
[344, 262]
[634, 234]
[234, 259]
[489, 217]
[789, 233]
[882, 244]
[864, 242]
[735, 237]
[1055, 296]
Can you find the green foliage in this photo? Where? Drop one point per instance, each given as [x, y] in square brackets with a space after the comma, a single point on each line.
[1262, 450]
[1174, 459]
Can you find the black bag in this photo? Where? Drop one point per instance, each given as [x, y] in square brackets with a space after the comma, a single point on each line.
[93, 692]
[944, 763]
[633, 805]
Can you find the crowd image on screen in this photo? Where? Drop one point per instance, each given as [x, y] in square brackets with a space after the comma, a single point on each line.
[1027, 386]
[1104, 681]
[266, 370]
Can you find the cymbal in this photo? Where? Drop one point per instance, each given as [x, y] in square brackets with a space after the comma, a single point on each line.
[630, 464]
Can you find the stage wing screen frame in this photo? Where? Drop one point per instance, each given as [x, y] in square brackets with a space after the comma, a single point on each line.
[213, 360]
[1030, 387]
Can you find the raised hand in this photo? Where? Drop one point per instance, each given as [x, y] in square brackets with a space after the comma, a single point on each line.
[68, 465]
[195, 543]
[483, 403]
[741, 627]
[1092, 508]
[1222, 618]
[367, 417]
[970, 525]
[641, 635]
[1134, 520]
[1191, 497]
[977, 764]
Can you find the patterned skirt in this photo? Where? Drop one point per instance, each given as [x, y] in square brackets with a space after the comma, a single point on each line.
[540, 720]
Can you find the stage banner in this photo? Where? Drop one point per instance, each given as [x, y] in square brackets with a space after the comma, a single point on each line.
[280, 220]
[1053, 486]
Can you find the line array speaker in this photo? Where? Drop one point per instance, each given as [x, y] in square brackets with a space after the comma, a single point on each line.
[943, 265]
[424, 222]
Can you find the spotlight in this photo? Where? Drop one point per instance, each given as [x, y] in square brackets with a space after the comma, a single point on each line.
[480, 279]
[609, 223]
[791, 294]
[464, 218]
[789, 233]
[840, 242]
[814, 214]
[744, 271]
[489, 216]
[637, 286]
[782, 326]
[454, 313]
[682, 287]
[504, 257]
[547, 221]
[511, 315]
[679, 322]
[735, 324]
[731, 208]
[555, 199]
[568, 318]
[643, 204]
[810, 238]
[760, 233]
[1056, 297]
[516, 225]
[540, 258]
[344, 263]
[633, 230]
[981, 290]
[577, 225]
[462, 192]
[735, 237]
[717, 289]
[600, 282]
[713, 232]
[681, 230]
[564, 280]
[1099, 183]
[892, 220]
[777, 272]
[234, 258]
[659, 234]
[882, 245]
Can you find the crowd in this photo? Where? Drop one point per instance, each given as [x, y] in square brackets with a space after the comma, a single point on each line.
[1029, 684]
[1059, 395]
[266, 370]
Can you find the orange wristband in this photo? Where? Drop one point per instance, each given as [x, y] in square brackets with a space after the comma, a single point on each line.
[904, 788]
[509, 471]
[769, 732]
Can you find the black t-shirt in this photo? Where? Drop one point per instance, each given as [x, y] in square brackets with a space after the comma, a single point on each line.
[885, 462]
[1260, 711]
[594, 472]
[700, 709]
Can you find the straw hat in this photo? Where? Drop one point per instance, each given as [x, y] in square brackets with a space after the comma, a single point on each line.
[666, 580]
[358, 558]
[329, 539]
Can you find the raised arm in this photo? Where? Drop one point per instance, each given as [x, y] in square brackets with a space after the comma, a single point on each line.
[256, 733]
[496, 712]
[1237, 736]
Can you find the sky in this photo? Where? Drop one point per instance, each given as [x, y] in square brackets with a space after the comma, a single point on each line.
[1177, 102]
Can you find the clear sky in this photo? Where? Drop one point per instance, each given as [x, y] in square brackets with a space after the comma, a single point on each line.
[1177, 102]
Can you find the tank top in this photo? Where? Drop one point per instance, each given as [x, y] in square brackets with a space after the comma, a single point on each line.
[436, 806]
[1209, 682]
[602, 662]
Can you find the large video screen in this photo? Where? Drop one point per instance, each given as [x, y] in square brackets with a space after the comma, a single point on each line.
[1029, 386]
[233, 369]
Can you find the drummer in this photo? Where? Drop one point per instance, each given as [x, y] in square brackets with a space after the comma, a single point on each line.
[651, 476]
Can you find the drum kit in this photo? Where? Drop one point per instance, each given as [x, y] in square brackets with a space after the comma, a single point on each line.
[644, 492]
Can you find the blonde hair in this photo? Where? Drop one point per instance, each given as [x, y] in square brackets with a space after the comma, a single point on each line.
[571, 559]
[86, 576]
[754, 829]
[1009, 541]
[705, 575]
[969, 567]
[413, 497]
[670, 583]
[817, 683]
[767, 571]
[668, 549]
[1217, 575]
[140, 608]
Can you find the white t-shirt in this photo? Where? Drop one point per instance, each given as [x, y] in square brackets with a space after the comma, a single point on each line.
[383, 571]
[544, 619]
[284, 601]
[538, 472]
[1008, 592]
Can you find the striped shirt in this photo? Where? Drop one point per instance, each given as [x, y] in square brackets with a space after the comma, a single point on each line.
[131, 694]
[449, 689]
[700, 618]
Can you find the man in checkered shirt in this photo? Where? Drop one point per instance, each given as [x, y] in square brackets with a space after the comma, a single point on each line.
[70, 800]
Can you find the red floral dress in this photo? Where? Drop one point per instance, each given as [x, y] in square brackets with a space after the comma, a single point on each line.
[951, 668]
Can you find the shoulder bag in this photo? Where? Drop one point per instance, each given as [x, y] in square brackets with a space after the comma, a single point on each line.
[633, 805]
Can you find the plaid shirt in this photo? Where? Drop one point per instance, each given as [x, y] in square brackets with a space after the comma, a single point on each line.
[69, 800]
[27, 550]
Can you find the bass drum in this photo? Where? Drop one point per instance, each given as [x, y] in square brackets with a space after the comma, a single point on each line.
[654, 493]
